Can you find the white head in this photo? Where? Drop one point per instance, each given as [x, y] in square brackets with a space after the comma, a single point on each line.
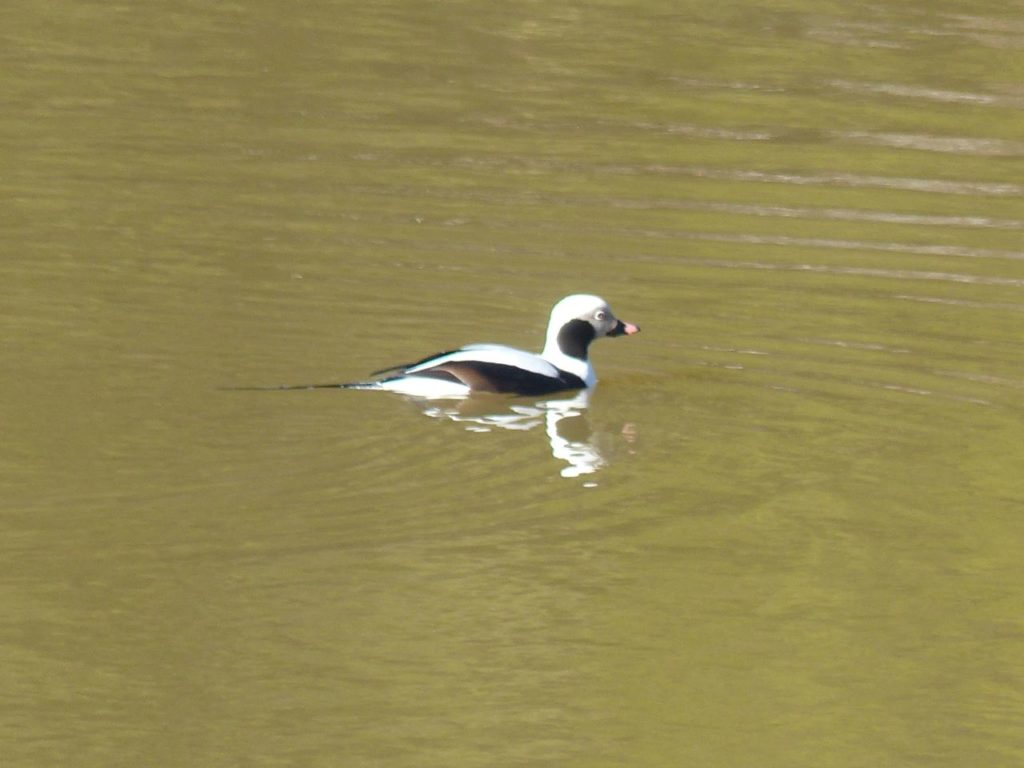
[575, 322]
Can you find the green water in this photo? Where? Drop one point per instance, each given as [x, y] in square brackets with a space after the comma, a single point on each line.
[784, 531]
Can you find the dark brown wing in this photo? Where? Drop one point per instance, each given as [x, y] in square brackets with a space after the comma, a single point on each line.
[504, 379]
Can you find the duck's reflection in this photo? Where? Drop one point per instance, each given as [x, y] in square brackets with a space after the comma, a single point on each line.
[569, 433]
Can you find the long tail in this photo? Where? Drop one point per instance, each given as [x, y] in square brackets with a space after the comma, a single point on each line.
[287, 387]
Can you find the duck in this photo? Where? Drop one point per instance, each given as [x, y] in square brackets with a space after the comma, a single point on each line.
[564, 363]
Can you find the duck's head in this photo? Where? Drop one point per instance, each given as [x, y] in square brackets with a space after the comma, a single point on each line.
[579, 319]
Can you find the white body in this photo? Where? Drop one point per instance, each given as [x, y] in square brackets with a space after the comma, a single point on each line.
[575, 321]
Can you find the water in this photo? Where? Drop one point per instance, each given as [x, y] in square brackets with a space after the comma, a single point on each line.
[784, 530]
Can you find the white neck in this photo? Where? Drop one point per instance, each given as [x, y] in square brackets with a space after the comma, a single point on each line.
[554, 355]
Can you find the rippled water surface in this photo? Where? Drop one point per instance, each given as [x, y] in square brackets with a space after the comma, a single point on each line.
[784, 530]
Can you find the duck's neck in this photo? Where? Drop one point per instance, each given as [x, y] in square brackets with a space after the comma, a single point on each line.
[566, 348]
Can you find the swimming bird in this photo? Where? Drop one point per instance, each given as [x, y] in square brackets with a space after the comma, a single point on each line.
[563, 365]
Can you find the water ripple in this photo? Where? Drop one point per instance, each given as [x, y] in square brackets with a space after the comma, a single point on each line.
[838, 214]
[931, 94]
[895, 274]
[960, 302]
[978, 188]
[983, 378]
[704, 132]
[960, 145]
[856, 245]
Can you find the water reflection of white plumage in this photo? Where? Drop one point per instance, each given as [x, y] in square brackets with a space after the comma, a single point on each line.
[568, 431]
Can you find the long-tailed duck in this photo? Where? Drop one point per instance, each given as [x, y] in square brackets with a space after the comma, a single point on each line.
[575, 322]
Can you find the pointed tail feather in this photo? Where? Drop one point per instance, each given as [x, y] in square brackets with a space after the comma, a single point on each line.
[291, 387]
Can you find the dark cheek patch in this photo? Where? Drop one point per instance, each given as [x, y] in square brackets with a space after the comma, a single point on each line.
[575, 337]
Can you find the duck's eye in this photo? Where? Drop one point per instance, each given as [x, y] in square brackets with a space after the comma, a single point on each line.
[600, 314]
